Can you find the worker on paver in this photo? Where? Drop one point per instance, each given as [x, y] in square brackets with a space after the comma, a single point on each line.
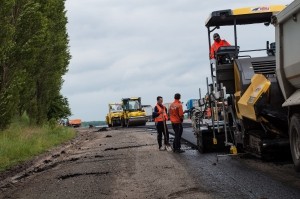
[176, 117]
[218, 42]
[160, 115]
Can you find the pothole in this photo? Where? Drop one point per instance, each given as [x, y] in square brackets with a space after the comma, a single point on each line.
[73, 175]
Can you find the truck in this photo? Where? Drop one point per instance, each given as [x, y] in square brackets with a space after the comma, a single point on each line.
[287, 31]
[167, 105]
[260, 96]
[74, 123]
[114, 115]
[192, 103]
[133, 114]
[148, 110]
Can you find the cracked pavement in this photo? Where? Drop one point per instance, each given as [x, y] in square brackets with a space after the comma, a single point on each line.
[126, 163]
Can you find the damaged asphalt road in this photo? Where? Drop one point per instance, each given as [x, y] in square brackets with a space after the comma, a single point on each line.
[126, 163]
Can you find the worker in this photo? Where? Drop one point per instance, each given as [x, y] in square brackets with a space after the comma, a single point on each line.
[176, 117]
[119, 107]
[161, 116]
[218, 42]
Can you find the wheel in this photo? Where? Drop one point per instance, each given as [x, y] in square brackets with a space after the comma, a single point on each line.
[118, 123]
[294, 132]
[200, 144]
[123, 123]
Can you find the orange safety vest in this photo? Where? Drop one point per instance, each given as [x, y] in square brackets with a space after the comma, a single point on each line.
[163, 116]
[216, 46]
[176, 112]
[208, 112]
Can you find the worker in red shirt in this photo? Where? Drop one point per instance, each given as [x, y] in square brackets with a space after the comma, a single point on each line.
[160, 117]
[218, 42]
[176, 117]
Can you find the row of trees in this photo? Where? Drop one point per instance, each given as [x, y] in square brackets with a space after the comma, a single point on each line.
[34, 56]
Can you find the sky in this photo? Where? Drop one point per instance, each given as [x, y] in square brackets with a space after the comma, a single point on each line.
[145, 48]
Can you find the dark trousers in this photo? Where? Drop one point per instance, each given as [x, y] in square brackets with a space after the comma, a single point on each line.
[177, 127]
[161, 130]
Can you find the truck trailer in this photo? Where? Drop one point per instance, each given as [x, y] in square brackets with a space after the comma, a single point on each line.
[287, 31]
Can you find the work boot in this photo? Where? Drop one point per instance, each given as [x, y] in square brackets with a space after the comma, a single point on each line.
[179, 151]
[168, 147]
[162, 148]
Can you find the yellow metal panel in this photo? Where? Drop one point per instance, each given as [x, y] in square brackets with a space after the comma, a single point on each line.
[258, 9]
[136, 114]
[259, 85]
[237, 97]
[237, 78]
[237, 94]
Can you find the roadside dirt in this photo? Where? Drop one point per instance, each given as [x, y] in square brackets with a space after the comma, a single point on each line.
[119, 163]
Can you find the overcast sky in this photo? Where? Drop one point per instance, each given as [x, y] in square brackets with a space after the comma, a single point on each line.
[144, 48]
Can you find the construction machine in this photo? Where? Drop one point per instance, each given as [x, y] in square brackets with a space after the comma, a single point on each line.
[133, 114]
[114, 115]
[255, 100]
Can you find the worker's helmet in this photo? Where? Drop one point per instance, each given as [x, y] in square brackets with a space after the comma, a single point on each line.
[216, 36]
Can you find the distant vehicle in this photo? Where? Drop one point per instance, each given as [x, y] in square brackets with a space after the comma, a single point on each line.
[74, 123]
[148, 110]
[192, 103]
[133, 114]
[167, 105]
[114, 115]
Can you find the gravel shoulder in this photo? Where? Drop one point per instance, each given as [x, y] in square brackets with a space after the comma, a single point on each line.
[119, 163]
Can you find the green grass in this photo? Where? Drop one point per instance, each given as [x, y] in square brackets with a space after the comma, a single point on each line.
[21, 142]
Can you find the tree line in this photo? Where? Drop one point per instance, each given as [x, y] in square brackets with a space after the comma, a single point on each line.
[34, 55]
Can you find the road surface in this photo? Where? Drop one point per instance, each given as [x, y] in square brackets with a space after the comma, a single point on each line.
[126, 163]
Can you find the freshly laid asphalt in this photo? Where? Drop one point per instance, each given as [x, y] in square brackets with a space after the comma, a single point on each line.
[240, 176]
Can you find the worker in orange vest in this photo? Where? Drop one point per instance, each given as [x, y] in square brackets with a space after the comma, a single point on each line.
[161, 116]
[208, 112]
[218, 42]
[176, 117]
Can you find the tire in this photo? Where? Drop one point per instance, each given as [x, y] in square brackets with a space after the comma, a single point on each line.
[200, 144]
[294, 132]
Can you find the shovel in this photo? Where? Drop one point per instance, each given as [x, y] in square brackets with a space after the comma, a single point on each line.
[168, 147]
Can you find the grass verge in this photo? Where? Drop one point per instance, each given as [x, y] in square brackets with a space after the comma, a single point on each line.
[22, 142]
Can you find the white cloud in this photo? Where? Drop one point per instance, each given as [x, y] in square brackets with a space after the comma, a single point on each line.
[142, 48]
